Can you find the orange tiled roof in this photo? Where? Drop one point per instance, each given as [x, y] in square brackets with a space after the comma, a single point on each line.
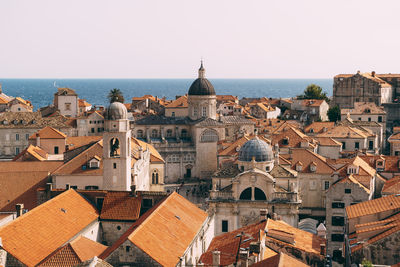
[143, 98]
[391, 163]
[319, 127]
[32, 153]
[327, 141]
[280, 260]
[78, 141]
[181, 102]
[392, 186]
[48, 133]
[62, 257]
[293, 136]
[168, 231]
[86, 248]
[303, 240]
[36, 234]
[155, 155]
[226, 98]
[364, 108]
[3, 100]
[373, 206]
[120, 206]
[82, 103]
[228, 243]
[306, 157]
[65, 91]
[342, 131]
[74, 166]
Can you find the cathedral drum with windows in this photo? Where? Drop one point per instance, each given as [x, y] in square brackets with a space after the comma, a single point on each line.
[241, 191]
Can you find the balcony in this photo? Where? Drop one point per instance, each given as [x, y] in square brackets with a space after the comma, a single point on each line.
[285, 197]
[222, 195]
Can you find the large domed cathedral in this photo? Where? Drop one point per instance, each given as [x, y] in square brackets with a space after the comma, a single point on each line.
[188, 140]
[255, 182]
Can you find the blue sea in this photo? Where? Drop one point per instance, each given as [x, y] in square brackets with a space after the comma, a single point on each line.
[41, 91]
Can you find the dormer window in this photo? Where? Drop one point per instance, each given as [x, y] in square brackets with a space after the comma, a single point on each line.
[94, 163]
[311, 130]
[299, 166]
[313, 167]
[285, 141]
[352, 169]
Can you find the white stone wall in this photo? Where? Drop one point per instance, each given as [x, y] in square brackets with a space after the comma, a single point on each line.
[61, 104]
[60, 181]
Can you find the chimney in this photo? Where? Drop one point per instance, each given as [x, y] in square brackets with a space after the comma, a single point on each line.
[19, 208]
[373, 73]
[274, 216]
[133, 191]
[49, 188]
[322, 246]
[38, 140]
[67, 186]
[263, 214]
[216, 258]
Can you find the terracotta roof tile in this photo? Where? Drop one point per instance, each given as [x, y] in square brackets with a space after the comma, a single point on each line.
[280, 260]
[228, 243]
[373, 206]
[86, 248]
[392, 186]
[120, 206]
[168, 231]
[48, 133]
[303, 240]
[82, 103]
[32, 153]
[318, 127]
[364, 108]
[36, 234]
[306, 157]
[65, 91]
[62, 257]
[181, 102]
[78, 141]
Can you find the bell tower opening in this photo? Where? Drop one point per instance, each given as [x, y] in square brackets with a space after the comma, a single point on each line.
[114, 147]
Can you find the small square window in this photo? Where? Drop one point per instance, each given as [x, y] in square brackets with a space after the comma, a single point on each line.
[326, 185]
[347, 191]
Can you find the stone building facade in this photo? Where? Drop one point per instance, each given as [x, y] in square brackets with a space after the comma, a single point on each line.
[365, 87]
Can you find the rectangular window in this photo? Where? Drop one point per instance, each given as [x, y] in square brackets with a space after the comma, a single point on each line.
[92, 130]
[347, 191]
[337, 221]
[56, 150]
[357, 145]
[379, 118]
[369, 118]
[114, 165]
[127, 248]
[337, 205]
[16, 150]
[371, 145]
[17, 137]
[67, 106]
[337, 237]
[326, 185]
[173, 114]
[224, 226]
[26, 136]
[204, 111]
[343, 145]
[99, 130]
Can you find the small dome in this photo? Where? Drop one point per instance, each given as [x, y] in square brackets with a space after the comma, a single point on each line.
[256, 148]
[117, 111]
[201, 86]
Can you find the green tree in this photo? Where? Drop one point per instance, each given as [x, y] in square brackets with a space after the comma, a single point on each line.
[115, 95]
[313, 91]
[334, 114]
[366, 263]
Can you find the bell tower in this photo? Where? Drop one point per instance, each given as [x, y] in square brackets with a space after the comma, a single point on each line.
[117, 149]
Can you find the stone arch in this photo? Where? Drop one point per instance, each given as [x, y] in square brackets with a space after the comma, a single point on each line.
[114, 147]
[259, 194]
[209, 136]
[246, 194]
[154, 177]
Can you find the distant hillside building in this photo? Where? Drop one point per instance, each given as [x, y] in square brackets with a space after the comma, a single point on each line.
[365, 87]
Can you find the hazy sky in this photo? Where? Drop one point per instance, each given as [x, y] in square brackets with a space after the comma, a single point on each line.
[166, 39]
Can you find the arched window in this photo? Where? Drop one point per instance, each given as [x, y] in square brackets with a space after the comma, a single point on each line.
[209, 135]
[154, 177]
[154, 133]
[259, 194]
[246, 194]
[184, 133]
[114, 147]
[168, 134]
[139, 133]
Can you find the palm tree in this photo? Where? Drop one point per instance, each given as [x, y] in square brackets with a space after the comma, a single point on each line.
[115, 95]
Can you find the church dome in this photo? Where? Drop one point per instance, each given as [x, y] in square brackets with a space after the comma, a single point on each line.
[117, 111]
[256, 148]
[201, 86]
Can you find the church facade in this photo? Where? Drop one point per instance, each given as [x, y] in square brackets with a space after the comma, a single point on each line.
[189, 144]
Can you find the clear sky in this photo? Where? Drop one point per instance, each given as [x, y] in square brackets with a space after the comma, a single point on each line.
[167, 38]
